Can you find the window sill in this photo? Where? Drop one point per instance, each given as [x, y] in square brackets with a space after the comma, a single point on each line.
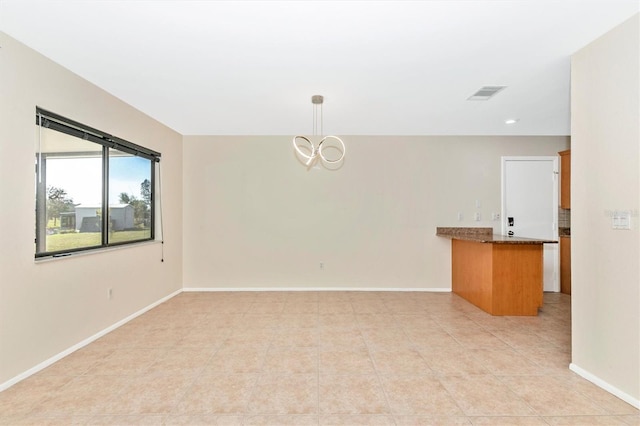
[91, 252]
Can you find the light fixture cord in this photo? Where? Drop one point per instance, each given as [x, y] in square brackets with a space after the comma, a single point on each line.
[161, 212]
[315, 119]
[317, 110]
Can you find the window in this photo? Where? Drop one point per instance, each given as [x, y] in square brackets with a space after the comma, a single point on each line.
[93, 190]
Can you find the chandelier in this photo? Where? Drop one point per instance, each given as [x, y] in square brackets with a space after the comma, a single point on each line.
[305, 147]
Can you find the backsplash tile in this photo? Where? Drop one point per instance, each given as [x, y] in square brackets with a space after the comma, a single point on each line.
[564, 218]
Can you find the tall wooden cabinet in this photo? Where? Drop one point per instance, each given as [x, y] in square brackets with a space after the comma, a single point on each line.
[565, 203]
[565, 179]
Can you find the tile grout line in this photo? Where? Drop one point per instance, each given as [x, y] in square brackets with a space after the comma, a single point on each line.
[375, 368]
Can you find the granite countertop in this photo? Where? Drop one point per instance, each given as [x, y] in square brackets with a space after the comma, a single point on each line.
[485, 235]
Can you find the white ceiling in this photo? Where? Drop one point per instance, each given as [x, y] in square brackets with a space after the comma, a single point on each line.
[384, 67]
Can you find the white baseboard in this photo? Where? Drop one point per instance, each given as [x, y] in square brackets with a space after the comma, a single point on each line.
[220, 289]
[604, 385]
[82, 344]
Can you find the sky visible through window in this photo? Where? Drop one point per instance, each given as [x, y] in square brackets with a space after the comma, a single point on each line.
[81, 177]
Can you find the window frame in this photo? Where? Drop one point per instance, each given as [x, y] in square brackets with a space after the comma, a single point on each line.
[56, 122]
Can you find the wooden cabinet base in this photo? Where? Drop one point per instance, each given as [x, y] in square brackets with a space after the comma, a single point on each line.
[501, 279]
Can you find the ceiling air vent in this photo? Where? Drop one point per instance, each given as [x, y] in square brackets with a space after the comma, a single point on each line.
[485, 93]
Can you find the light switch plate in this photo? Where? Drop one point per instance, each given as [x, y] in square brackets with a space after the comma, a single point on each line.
[621, 220]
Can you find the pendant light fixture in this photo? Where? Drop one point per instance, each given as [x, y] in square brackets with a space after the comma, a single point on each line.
[316, 152]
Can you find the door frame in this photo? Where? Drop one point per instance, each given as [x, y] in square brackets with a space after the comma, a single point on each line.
[556, 205]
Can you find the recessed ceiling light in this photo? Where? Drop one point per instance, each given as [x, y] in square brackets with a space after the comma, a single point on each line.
[511, 121]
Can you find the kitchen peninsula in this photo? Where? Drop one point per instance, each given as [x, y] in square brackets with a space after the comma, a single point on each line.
[501, 275]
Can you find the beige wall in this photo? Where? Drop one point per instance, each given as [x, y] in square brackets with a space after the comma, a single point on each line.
[48, 307]
[255, 217]
[605, 177]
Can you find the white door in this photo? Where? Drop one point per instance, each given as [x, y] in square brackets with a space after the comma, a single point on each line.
[530, 206]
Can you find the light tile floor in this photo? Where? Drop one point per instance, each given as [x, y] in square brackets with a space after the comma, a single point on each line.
[321, 358]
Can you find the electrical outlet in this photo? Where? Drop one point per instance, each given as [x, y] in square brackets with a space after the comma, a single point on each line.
[321, 265]
[477, 216]
[495, 216]
[460, 217]
[110, 293]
